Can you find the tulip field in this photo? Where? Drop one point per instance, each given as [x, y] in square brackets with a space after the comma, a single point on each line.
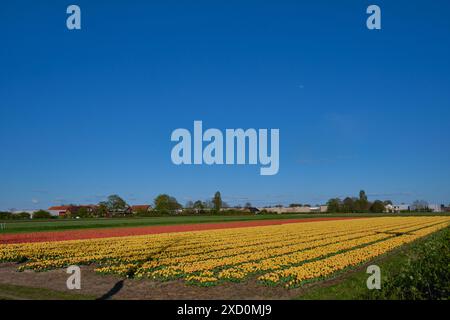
[285, 255]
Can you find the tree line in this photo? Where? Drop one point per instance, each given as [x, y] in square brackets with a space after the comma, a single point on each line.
[163, 204]
[114, 205]
[40, 214]
[356, 204]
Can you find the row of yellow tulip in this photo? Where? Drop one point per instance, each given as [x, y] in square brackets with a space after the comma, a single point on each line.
[282, 251]
[294, 276]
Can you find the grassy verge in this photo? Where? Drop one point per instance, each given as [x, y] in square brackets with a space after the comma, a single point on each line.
[70, 224]
[13, 292]
[62, 224]
[415, 271]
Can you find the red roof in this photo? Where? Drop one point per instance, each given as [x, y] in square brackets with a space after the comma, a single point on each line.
[59, 208]
[141, 207]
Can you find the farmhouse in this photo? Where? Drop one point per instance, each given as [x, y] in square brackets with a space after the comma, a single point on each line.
[141, 208]
[61, 211]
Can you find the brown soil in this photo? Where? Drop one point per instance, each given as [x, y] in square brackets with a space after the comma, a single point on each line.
[142, 289]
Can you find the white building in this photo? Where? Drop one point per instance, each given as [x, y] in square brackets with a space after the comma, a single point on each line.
[435, 207]
[395, 208]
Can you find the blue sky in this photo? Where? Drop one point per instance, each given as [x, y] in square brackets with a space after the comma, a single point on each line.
[88, 113]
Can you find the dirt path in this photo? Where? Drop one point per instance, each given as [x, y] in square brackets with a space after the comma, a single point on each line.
[114, 287]
[131, 231]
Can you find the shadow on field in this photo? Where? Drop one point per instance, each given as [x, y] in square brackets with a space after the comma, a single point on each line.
[130, 274]
[114, 290]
